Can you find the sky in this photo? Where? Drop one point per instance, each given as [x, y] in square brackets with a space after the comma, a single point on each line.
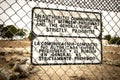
[18, 13]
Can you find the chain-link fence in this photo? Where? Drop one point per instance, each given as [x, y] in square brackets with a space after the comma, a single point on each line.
[59, 39]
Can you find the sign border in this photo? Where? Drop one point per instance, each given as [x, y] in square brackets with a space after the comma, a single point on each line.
[34, 35]
[99, 36]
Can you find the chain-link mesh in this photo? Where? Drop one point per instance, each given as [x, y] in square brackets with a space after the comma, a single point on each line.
[15, 51]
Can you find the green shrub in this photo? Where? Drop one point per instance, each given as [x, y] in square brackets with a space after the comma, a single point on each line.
[10, 31]
[115, 40]
[107, 37]
[30, 36]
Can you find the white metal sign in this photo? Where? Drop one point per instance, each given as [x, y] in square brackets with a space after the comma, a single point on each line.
[50, 50]
[65, 37]
[66, 23]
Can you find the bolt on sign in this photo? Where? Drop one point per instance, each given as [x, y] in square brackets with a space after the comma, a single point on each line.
[65, 37]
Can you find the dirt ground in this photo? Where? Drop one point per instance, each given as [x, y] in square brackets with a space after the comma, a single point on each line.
[14, 43]
[108, 70]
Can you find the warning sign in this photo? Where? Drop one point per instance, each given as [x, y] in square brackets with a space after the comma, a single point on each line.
[50, 50]
[65, 37]
[66, 23]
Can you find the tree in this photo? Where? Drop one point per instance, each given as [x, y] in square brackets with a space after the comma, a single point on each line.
[107, 37]
[10, 31]
[1, 27]
[21, 32]
[115, 40]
